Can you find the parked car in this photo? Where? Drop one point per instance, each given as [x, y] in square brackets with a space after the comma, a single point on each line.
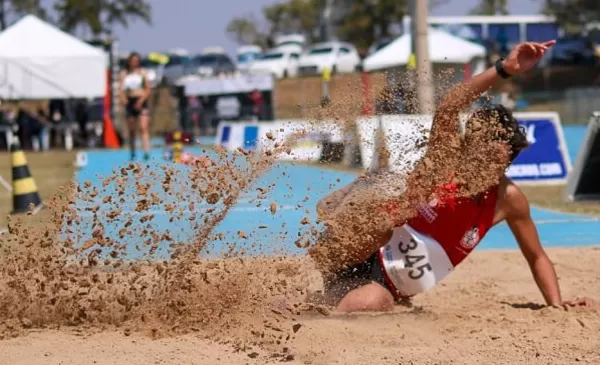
[278, 62]
[175, 68]
[382, 43]
[210, 64]
[336, 56]
[290, 42]
[246, 56]
[213, 50]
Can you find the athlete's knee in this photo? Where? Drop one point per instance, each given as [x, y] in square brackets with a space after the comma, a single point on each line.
[144, 122]
[369, 298]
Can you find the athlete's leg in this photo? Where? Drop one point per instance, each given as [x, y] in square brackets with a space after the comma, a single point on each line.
[131, 121]
[357, 288]
[344, 246]
[357, 223]
[144, 127]
[371, 297]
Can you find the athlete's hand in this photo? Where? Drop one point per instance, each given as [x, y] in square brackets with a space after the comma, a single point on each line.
[579, 302]
[525, 56]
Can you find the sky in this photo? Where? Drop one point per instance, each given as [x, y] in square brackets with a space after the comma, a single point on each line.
[195, 24]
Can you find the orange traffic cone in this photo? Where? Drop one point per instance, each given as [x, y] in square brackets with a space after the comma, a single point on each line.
[110, 135]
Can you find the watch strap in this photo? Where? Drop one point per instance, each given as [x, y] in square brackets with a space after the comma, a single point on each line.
[500, 69]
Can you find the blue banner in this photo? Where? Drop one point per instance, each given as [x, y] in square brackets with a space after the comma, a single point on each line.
[250, 137]
[546, 158]
[225, 135]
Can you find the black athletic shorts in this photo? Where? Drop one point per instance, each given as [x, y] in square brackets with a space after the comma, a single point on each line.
[340, 283]
[132, 111]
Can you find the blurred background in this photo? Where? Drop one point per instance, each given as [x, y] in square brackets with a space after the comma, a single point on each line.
[281, 59]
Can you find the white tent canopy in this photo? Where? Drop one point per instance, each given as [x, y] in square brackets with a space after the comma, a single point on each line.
[39, 61]
[443, 48]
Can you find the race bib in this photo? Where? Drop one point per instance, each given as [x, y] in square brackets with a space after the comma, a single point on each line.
[414, 262]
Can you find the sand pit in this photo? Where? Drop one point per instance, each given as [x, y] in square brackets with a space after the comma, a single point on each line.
[487, 312]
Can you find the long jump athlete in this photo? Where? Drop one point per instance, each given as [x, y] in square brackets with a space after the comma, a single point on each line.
[414, 255]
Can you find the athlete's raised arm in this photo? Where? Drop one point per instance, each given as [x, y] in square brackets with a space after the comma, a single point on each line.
[445, 129]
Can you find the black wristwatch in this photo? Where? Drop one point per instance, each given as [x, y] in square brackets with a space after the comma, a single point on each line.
[500, 69]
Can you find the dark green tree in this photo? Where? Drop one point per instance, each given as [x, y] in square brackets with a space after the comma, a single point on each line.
[99, 16]
[10, 9]
[360, 22]
[368, 20]
[300, 16]
[573, 15]
[246, 30]
[491, 7]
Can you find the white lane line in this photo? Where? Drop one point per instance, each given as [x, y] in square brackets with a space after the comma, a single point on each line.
[559, 221]
[6, 185]
[566, 220]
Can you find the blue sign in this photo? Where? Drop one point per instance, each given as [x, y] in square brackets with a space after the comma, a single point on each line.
[546, 159]
[225, 135]
[250, 137]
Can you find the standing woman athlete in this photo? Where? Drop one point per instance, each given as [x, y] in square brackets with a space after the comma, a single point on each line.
[135, 90]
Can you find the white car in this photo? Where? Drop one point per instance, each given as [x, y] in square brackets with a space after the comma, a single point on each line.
[281, 63]
[290, 42]
[246, 56]
[338, 57]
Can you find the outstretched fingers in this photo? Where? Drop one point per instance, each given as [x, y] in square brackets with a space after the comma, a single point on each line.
[549, 43]
[537, 49]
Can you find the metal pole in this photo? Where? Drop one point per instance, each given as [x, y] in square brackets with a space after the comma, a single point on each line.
[424, 69]
[413, 29]
[326, 21]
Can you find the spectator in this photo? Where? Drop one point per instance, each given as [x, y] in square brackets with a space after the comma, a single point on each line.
[41, 130]
[57, 111]
[82, 117]
[134, 91]
[6, 124]
[195, 110]
[32, 126]
[258, 104]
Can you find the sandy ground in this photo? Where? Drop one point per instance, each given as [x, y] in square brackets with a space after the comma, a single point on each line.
[487, 312]
[51, 170]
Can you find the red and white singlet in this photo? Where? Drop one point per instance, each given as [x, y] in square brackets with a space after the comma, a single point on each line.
[426, 249]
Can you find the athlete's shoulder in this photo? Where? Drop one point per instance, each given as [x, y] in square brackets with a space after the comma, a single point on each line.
[513, 201]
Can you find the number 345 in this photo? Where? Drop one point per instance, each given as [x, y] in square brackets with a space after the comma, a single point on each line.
[411, 261]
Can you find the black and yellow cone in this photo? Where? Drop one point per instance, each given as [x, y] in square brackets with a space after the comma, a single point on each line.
[25, 191]
[177, 146]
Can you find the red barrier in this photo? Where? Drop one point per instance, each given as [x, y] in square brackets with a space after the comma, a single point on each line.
[367, 108]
